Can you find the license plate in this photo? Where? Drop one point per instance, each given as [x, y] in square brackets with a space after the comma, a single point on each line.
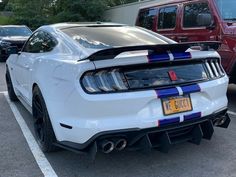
[178, 104]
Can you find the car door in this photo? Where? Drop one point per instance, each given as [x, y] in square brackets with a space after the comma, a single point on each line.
[167, 21]
[24, 64]
[192, 26]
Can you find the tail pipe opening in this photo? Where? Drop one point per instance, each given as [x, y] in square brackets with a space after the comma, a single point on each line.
[222, 121]
[107, 146]
[120, 144]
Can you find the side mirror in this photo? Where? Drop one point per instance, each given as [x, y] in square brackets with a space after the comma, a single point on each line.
[12, 50]
[204, 19]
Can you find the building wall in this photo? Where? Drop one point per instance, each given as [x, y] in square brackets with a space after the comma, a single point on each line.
[127, 13]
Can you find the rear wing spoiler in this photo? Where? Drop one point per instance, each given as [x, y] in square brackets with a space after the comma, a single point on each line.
[111, 53]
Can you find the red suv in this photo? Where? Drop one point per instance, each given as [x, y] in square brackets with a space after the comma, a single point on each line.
[196, 20]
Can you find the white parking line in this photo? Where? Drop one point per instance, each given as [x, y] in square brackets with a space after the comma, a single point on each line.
[232, 113]
[3, 92]
[39, 156]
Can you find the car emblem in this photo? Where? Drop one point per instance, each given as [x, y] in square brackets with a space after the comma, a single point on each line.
[172, 75]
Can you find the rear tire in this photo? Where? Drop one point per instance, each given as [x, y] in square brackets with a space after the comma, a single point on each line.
[43, 128]
[10, 88]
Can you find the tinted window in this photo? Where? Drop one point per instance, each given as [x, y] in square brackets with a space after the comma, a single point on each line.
[146, 18]
[15, 31]
[167, 17]
[40, 42]
[107, 37]
[192, 13]
[227, 9]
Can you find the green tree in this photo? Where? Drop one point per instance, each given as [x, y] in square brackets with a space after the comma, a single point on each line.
[32, 13]
[35, 13]
[3, 4]
[78, 10]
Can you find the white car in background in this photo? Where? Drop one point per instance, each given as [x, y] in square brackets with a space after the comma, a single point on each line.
[104, 87]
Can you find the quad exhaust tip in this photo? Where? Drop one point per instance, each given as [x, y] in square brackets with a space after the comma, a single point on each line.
[107, 146]
[223, 121]
[120, 144]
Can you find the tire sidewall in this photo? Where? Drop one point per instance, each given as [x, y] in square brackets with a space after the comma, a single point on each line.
[49, 137]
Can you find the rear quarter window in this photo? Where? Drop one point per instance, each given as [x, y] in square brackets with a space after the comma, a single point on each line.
[146, 18]
[40, 42]
[167, 17]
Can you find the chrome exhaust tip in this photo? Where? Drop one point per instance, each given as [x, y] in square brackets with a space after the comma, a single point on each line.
[217, 121]
[107, 146]
[120, 144]
[223, 122]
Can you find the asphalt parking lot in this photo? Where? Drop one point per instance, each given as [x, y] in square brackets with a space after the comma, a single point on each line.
[215, 158]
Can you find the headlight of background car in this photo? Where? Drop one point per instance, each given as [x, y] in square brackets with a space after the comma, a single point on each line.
[104, 81]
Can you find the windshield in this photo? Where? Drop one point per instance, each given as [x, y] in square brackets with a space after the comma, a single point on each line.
[227, 9]
[98, 38]
[14, 31]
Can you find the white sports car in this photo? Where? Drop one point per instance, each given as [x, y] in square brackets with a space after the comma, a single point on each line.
[104, 87]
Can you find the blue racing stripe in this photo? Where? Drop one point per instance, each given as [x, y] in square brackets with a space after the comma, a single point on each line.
[164, 93]
[197, 115]
[182, 56]
[169, 121]
[158, 57]
[191, 89]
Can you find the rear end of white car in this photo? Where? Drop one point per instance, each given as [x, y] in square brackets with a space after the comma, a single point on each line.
[111, 87]
[135, 101]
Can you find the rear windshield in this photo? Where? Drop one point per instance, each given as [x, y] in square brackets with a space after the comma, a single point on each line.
[108, 37]
[14, 31]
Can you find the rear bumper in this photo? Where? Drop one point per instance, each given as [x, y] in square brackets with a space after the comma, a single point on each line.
[84, 116]
[159, 137]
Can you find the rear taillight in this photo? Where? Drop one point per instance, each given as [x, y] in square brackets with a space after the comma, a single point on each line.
[104, 81]
[214, 68]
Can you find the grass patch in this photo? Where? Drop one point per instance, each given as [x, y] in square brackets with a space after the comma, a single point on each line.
[5, 20]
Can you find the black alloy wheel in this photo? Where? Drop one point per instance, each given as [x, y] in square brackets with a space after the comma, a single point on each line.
[43, 129]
